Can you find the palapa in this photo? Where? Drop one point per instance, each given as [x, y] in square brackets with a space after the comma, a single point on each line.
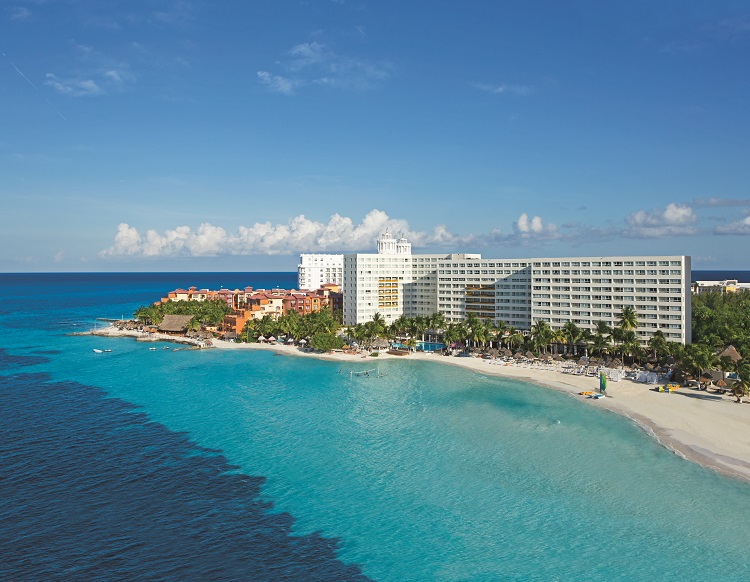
[175, 323]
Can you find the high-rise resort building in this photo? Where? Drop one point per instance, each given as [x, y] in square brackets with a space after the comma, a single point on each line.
[315, 270]
[519, 292]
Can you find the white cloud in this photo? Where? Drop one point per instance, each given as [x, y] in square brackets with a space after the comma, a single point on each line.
[674, 220]
[95, 74]
[300, 234]
[528, 228]
[127, 242]
[314, 63]
[277, 83]
[739, 227]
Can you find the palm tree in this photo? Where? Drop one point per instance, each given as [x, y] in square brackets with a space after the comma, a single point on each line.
[572, 334]
[627, 320]
[658, 344]
[542, 334]
[600, 344]
[437, 322]
[630, 345]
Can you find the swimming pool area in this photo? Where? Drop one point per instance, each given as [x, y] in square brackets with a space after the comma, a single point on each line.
[421, 346]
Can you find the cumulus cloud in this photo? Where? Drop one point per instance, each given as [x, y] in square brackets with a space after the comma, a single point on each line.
[674, 220]
[314, 63]
[527, 227]
[301, 234]
[741, 227]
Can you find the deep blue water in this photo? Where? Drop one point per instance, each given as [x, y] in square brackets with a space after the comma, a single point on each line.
[740, 276]
[242, 465]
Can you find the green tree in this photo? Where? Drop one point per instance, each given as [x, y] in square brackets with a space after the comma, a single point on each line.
[627, 320]
[325, 342]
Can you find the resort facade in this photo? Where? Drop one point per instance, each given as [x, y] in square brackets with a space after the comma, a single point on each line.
[315, 270]
[519, 292]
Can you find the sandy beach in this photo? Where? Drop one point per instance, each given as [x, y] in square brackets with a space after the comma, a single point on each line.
[703, 427]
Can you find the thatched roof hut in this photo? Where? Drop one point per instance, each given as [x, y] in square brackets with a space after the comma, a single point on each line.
[730, 352]
[175, 323]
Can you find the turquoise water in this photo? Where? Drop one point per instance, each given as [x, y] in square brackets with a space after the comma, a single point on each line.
[430, 472]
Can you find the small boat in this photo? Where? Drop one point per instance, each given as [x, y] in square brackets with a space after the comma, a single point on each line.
[107, 350]
[597, 396]
[165, 348]
[586, 393]
[152, 349]
[98, 351]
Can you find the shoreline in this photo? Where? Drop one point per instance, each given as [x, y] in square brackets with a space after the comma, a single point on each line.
[708, 429]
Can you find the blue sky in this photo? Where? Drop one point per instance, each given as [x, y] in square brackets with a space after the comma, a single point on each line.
[194, 135]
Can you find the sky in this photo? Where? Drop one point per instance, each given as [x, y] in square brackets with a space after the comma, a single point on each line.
[176, 135]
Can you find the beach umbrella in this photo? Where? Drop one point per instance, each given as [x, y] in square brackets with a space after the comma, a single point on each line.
[271, 339]
[707, 377]
[518, 356]
[261, 338]
[721, 383]
[530, 356]
[290, 340]
[302, 341]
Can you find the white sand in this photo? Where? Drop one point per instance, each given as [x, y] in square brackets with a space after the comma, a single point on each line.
[707, 428]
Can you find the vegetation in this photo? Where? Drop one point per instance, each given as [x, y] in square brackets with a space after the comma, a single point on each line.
[205, 313]
[325, 342]
[718, 320]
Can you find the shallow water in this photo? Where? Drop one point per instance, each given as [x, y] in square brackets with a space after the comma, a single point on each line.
[429, 472]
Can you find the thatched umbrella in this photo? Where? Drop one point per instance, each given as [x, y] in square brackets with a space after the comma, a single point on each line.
[721, 383]
[530, 356]
[616, 363]
[649, 366]
[519, 356]
[507, 353]
[730, 352]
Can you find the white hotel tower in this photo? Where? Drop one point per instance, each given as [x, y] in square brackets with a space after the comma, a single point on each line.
[315, 270]
[520, 292]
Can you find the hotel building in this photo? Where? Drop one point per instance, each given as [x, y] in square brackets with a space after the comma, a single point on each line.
[315, 270]
[519, 292]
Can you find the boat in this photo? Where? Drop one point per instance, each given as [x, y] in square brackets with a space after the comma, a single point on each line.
[165, 348]
[107, 350]
[98, 351]
[152, 349]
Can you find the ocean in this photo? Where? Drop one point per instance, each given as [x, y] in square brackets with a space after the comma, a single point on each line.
[243, 465]
[740, 276]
